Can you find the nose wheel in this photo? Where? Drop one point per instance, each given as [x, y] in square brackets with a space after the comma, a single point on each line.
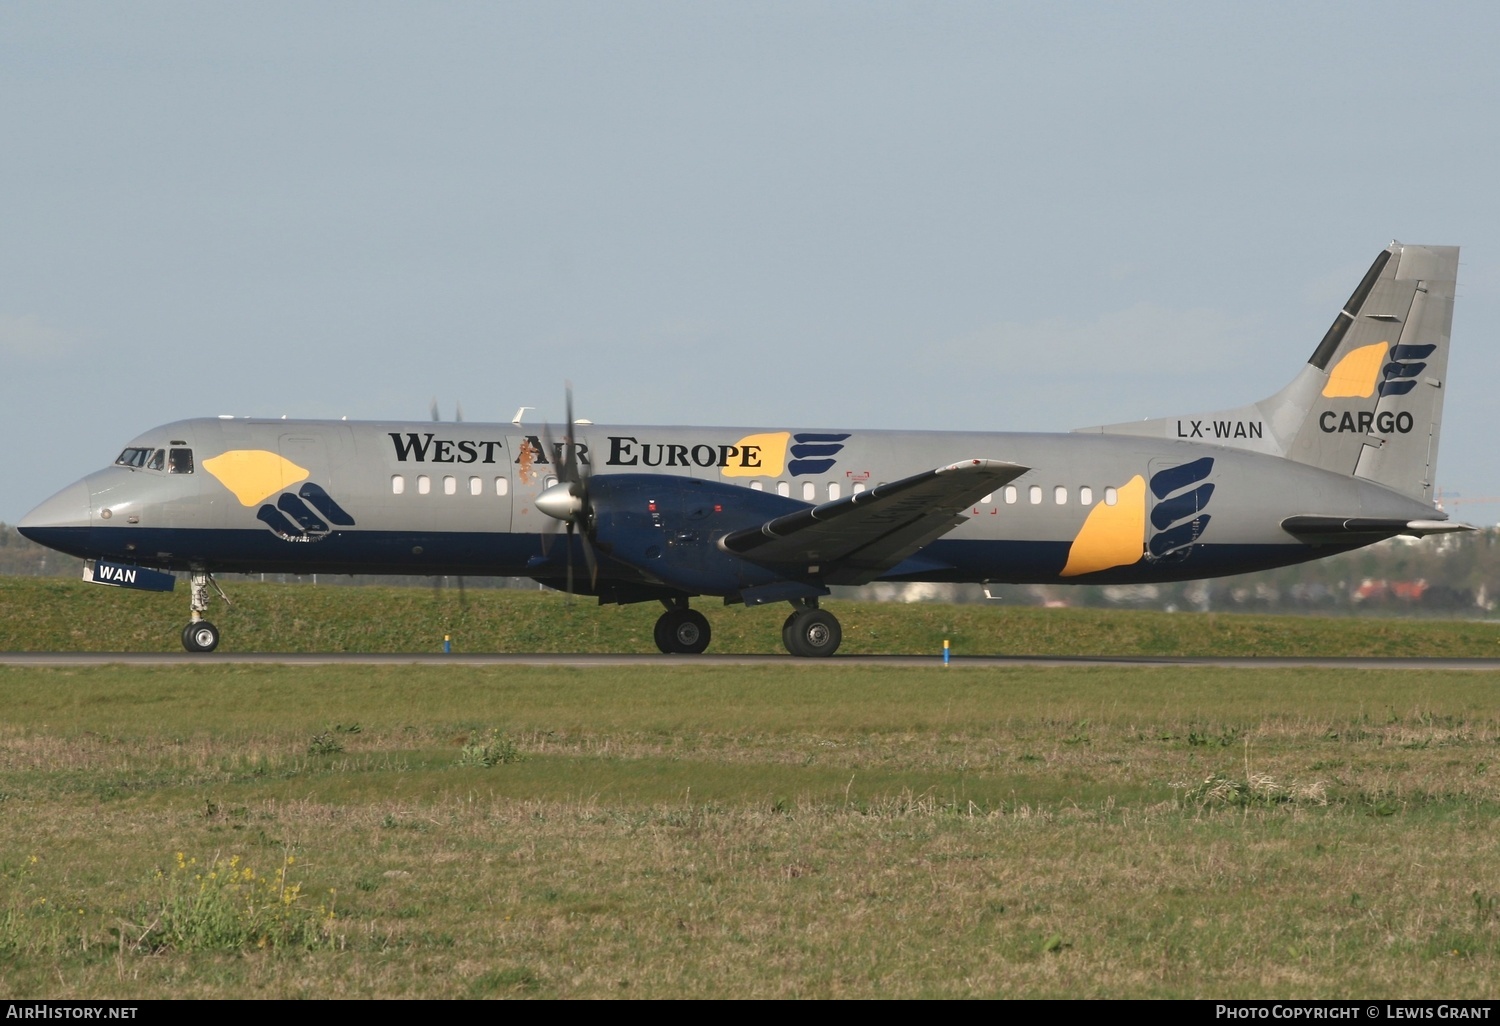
[200, 635]
[811, 632]
[682, 631]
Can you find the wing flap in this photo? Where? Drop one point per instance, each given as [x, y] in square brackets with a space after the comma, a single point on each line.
[854, 539]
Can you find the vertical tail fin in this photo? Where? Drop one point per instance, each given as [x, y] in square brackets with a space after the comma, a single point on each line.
[1369, 403]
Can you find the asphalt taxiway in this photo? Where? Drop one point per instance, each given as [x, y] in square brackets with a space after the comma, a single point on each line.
[712, 660]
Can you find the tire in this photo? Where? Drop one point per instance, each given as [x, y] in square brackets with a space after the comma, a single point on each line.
[662, 634]
[812, 633]
[200, 637]
[682, 632]
[788, 635]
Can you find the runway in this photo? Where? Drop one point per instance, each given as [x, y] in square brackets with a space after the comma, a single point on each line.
[584, 661]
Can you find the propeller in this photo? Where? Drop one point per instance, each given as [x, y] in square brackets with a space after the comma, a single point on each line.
[568, 500]
[458, 411]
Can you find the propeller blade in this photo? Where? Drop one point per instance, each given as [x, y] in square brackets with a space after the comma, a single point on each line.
[570, 450]
[588, 557]
[570, 562]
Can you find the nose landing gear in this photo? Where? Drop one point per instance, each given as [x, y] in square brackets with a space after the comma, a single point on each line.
[200, 635]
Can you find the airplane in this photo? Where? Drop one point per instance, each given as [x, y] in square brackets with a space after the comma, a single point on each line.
[1341, 457]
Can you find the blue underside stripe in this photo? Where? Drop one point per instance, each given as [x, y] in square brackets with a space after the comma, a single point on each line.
[512, 555]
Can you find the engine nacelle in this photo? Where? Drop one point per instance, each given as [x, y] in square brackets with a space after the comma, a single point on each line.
[668, 527]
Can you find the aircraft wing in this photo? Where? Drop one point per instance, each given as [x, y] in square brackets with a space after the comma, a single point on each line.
[855, 539]
[1332, 530]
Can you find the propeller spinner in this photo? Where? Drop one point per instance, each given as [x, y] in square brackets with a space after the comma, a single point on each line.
[568, 500]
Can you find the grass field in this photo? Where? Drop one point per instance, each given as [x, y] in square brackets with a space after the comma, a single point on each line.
[48, 614]
[798, 830]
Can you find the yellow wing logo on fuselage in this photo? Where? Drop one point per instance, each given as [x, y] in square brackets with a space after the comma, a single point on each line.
[1112, 535]
[253, 475]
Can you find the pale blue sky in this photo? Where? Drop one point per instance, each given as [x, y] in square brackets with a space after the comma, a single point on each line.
[966, 216]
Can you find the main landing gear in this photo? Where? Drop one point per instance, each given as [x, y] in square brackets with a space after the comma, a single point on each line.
[200, 635]
[682, 631]
[811, 631]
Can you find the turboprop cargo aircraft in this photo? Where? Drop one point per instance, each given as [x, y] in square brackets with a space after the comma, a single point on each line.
[1341, 457]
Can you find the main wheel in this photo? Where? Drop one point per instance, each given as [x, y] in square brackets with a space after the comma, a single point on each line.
[812, 632]
[200, 637]
[682, 632]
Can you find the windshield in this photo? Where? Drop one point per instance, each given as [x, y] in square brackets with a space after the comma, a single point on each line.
[133, 458]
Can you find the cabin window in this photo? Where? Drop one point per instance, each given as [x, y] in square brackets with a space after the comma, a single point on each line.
[987, 499]
[548, 482]
[782, 488]
[1060, 495]
[859, 486]
[180, 461]
[1010, 495]
[809, 491]
[757, 486]
[833, 491]
[398, 484]
[424, 484]
[1035, 495]
[502, 486]
[1111, 496]
[1086, 495]
[450, 485]
[476, 486]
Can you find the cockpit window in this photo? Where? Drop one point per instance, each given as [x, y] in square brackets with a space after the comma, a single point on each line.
[181, 462]
[133, 458]
[158, 458]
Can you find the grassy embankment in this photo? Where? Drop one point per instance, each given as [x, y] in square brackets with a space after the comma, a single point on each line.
[806, 830]
[42, 614]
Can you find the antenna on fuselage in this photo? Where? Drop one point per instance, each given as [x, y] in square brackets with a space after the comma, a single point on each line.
[519, 414]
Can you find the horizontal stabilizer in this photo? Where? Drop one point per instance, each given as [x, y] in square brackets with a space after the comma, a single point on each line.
[855, 539]
[1361, 530]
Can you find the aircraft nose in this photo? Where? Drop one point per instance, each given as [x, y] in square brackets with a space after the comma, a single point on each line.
[66, 511]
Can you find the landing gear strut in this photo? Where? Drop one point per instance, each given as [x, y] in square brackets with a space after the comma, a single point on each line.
[811, 631]
[682, 631]
[200, 635]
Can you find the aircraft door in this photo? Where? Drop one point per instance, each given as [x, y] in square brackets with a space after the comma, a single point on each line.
[1178, 496]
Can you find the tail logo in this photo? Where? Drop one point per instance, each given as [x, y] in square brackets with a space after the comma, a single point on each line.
[1177, 519]
[1400, 375]
[305, 516]
[1366, 371]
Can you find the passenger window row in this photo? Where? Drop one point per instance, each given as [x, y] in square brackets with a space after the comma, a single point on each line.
[809, 491]
[1035, 494]
[476, 485]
